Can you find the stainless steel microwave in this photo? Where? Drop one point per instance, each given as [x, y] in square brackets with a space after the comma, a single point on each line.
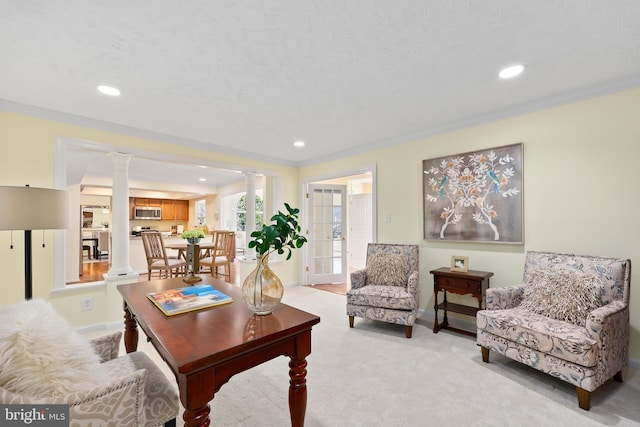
[143, 212]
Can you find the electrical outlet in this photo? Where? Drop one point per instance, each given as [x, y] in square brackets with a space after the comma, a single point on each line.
[87, 304]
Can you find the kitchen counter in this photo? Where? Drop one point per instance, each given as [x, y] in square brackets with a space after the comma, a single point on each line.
[165, 236]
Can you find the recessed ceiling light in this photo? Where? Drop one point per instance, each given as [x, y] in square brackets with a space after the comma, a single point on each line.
[202, 179]
[298, 144]
[108, 90]
[512, 71]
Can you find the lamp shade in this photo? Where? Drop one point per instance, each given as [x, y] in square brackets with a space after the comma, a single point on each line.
[32, 208]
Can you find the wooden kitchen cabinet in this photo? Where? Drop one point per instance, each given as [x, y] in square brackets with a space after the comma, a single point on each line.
[146, 202]
[181, 210]
[172, 210]
[168, 209]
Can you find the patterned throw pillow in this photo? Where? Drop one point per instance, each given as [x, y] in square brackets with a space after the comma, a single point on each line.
[565, 296]
[387, 269]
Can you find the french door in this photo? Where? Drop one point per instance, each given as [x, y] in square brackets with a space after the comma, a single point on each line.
[327, 238]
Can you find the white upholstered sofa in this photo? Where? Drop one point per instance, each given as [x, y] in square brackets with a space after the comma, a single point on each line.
[569, 319]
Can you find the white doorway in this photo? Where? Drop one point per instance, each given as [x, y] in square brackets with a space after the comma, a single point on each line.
[345, 249]
[327, 237]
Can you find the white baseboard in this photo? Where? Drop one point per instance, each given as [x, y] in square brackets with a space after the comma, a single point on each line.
[99, 327]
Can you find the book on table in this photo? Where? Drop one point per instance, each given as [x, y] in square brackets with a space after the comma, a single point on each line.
[188, 298]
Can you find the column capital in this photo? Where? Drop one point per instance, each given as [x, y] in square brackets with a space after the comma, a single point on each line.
[120, 159]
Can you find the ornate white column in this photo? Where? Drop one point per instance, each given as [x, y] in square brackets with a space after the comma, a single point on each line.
[250, 225]
[120, 268]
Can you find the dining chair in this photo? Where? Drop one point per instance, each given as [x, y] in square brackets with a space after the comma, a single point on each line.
[104, 244]
[157, 258]
[208, 252]
[221, 254]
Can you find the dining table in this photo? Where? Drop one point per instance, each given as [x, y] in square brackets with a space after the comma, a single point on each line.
[182, 248]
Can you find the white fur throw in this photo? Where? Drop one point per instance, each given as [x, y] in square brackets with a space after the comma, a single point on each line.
[565, 296]
[387, 269]
[42, 355]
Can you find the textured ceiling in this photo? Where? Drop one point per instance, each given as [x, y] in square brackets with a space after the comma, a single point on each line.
[250, 78]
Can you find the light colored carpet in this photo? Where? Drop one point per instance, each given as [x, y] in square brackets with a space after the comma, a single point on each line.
[373, 376]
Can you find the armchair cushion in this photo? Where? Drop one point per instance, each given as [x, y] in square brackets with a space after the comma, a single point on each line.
[387, 269]
[384, 296]
[41, 355]
[560, 339]
[565, 296]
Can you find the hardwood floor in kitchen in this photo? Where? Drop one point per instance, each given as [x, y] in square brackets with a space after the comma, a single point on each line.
[93, 271]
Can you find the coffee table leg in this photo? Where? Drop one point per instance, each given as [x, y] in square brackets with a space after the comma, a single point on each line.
[196, 391]
[197, 417]
[130, 331]
[297, 391]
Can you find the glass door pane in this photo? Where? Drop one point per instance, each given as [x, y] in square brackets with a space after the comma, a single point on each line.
[328, 241]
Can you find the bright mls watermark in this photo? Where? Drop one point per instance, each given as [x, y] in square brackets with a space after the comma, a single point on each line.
[34, 415]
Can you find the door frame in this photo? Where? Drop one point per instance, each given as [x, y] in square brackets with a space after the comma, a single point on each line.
[312, 275]
[305, 182]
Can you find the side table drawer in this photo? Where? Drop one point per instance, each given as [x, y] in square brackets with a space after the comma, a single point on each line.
[453, 284]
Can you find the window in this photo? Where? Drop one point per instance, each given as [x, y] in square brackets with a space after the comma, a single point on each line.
[234, 211]
[241, 213]
[201, 212]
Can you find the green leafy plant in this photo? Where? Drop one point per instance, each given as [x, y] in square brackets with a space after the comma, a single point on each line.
[281, 236]
[192, 234]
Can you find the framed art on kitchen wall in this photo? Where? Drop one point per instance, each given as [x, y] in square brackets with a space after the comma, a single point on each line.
[475, 196]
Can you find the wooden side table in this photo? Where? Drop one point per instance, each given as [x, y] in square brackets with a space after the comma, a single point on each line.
[472, 282]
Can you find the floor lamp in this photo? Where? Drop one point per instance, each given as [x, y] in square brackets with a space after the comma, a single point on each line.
[29, 208]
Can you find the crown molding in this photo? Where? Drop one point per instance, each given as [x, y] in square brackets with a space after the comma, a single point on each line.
[43, 113]
[594, 91]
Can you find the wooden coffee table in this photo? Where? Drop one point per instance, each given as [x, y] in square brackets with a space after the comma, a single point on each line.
[205, 348]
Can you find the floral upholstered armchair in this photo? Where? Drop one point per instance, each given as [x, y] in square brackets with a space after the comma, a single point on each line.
[569, 319]
[43, 361]
[387, 289]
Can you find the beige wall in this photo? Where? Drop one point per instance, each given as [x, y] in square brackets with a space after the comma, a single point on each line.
[580, 163]
[27, 146]
[580, 196]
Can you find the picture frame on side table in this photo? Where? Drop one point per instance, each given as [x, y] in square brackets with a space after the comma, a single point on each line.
[460, 263]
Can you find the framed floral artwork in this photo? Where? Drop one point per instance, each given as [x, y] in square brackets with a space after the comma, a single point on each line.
[475, 196]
